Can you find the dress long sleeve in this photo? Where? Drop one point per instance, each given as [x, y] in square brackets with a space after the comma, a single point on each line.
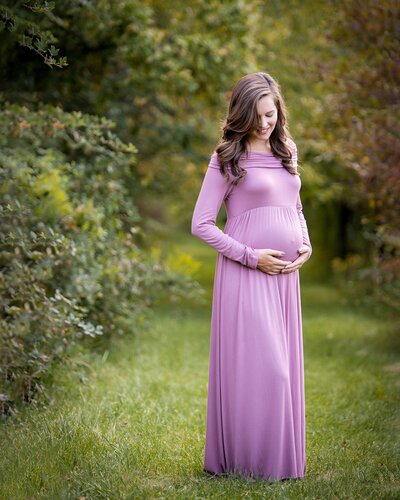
[303, 223]
[213, 192]
[299, 206]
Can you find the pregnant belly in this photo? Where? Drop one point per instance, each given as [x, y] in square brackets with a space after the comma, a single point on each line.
[276, 228]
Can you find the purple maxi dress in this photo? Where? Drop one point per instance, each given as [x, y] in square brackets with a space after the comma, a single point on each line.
[256, 407]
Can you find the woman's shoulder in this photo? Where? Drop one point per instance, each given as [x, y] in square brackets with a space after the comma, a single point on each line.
[214, 165]
[214, 161]
[292, 145]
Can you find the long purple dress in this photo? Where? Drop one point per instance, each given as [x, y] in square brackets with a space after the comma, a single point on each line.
[256, 407]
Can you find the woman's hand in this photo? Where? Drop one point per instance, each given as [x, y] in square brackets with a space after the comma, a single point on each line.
[269, 263]
[305, 254]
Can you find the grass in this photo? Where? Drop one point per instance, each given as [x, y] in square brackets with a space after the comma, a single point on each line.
[136, 427]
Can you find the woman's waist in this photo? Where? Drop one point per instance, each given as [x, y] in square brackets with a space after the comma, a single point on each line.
[272, 210]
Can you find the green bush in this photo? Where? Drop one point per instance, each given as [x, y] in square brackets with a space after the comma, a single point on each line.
[70, 260]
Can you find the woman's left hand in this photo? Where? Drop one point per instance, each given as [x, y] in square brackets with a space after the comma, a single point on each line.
[305, 254]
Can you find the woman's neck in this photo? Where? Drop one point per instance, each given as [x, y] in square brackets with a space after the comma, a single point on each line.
[258, 148]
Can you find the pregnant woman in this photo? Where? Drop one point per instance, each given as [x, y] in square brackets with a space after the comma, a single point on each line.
[256, 407]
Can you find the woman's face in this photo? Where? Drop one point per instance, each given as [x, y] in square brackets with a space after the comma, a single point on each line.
[267, 117]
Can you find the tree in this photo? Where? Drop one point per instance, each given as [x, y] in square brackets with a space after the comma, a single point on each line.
[361, 113]
[72, 263]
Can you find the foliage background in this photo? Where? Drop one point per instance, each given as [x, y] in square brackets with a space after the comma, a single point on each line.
[109, 111]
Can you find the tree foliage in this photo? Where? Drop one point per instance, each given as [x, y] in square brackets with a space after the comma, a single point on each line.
[72, 265]
[158, 69]
[28, 33]
[72, 247]
[361, 114]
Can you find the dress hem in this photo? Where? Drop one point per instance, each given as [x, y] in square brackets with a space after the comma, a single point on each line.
[252, 476]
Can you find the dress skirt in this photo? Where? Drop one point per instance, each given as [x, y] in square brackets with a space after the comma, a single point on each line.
[256, 405]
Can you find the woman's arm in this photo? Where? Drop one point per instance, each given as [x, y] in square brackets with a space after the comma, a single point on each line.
[212, 193]
[299, 206]
[303, 223]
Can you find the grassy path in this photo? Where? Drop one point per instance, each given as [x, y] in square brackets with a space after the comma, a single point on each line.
[136, 428]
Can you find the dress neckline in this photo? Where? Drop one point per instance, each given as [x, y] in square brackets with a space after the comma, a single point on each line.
[262, 159]
[259, 152]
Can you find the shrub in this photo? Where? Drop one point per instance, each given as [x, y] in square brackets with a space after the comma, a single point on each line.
[70, 262]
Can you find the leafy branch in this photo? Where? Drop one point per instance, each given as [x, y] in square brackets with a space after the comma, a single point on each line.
[29, 34]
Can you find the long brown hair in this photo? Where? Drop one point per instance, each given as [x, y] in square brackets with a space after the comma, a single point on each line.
[242, 119]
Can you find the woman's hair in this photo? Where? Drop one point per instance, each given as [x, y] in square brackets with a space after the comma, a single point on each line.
[243, 118]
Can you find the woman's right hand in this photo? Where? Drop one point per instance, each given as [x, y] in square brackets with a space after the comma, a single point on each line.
[268, 261]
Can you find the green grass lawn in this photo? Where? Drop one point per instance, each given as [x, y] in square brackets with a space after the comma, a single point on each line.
[136, 427]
